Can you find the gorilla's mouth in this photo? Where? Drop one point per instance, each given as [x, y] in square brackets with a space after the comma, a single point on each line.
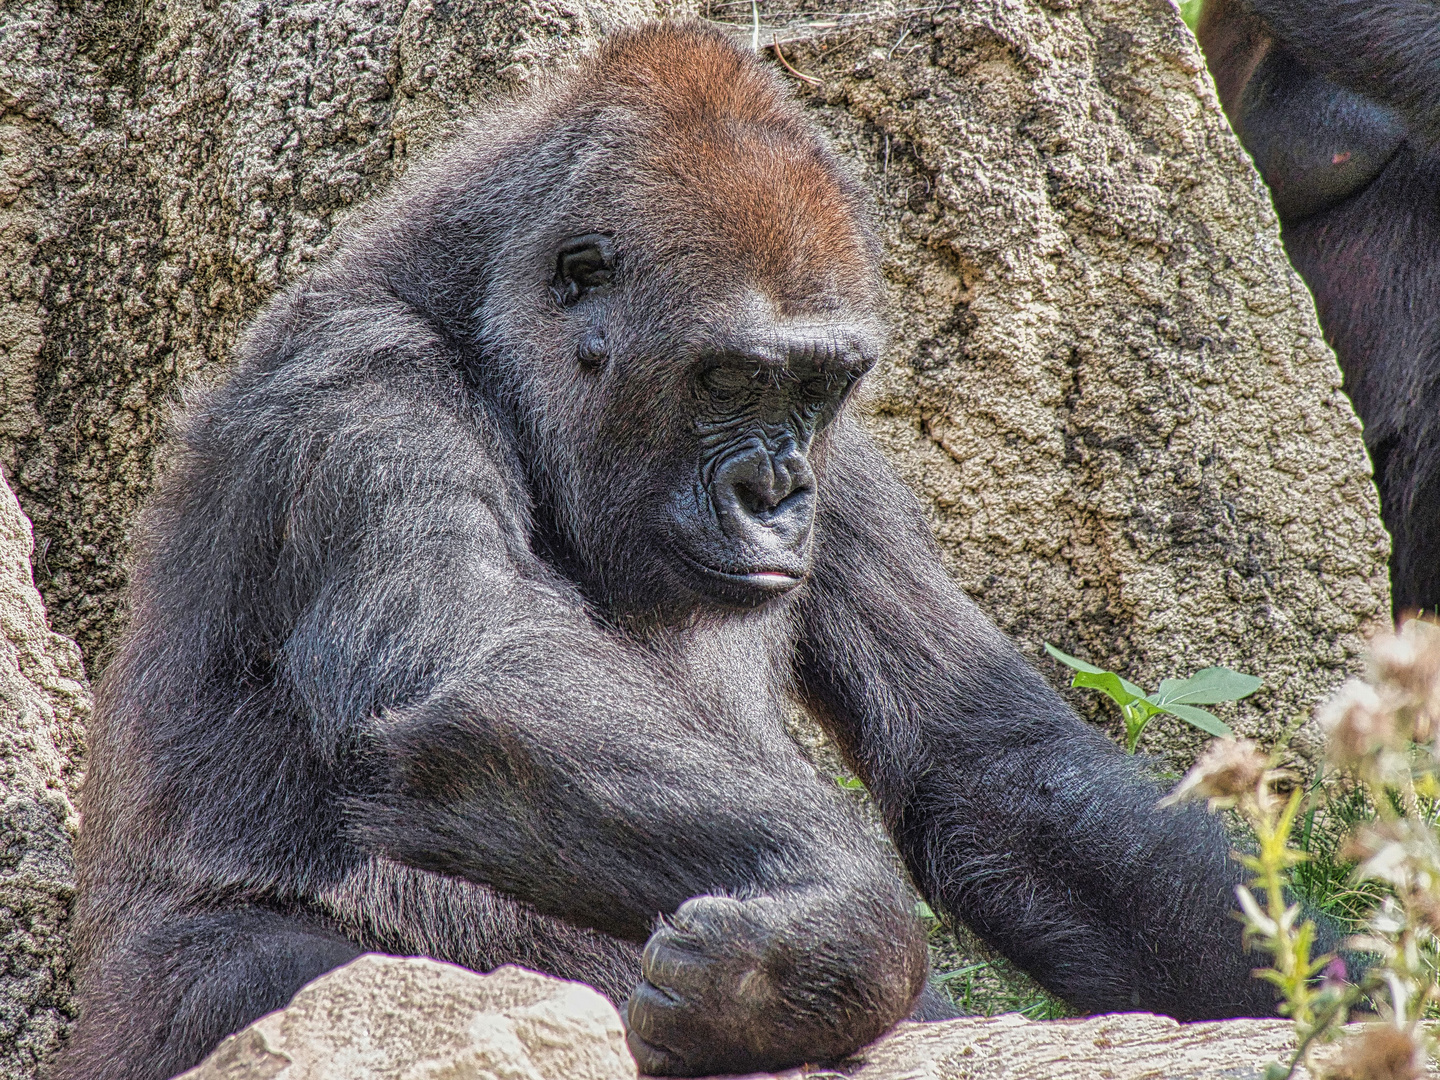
[749, 585]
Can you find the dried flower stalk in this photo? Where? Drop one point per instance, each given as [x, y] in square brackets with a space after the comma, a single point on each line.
[1384, 731]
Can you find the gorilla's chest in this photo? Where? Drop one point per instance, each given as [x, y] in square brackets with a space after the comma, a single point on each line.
[739, 668]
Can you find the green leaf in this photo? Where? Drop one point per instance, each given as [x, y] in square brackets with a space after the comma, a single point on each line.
[1070, 661]
[923, 910]
[1108, 682]
[960, 973]
[1198, 718]
[1122, 691]
[1206, 687]
[850, 783]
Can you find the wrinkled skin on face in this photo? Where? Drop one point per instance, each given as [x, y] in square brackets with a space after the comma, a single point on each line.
[743, 526]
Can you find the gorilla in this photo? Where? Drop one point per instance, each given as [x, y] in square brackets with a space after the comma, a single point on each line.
[468, 614]
[1338, 102]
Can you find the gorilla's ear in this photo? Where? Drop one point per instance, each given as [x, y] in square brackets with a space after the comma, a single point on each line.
[582, 264]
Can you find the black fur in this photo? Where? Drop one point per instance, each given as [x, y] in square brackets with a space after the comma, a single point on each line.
[469, 612]
[1338, 101]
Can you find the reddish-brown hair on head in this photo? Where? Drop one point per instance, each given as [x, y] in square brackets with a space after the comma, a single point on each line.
[729, 152]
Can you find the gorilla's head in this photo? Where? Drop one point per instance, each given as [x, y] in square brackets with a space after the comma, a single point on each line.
[678, 293]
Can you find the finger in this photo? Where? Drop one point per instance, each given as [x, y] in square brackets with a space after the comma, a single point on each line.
[653, 1060]
[675, 966]
[654, 1014]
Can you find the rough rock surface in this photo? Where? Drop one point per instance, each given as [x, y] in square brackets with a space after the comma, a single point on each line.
[385, 1018]
[1105, 380]
[43, 705]
[1122, 1046]
[382, 1018]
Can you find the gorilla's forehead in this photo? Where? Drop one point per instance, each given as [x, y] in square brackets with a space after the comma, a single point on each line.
[707, 155]
[768, 332]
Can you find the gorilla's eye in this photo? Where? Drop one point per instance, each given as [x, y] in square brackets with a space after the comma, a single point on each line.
[582, 264]
[727, 384]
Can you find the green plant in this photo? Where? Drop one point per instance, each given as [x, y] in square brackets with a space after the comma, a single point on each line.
[1334, 808]
[1177, 697]
[1385, 734]
[980, 982]
[1237, 773]
[1190, 12]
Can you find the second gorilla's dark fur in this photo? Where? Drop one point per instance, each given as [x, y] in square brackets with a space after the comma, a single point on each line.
[467, 619]
[1338, 101]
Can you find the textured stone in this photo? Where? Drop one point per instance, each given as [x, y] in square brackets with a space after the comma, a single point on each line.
[43, 704]
[1122, 1046]
[1105, 381]
[384, 1018]
[387, 1018]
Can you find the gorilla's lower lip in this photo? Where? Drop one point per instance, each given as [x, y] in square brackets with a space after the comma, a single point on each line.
[767, 579]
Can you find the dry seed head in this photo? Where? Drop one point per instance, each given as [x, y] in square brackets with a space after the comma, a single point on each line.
[1424, 907]
[1402, 852]
[1409, 660]
[1359, 724]
[1380, 1052]
[1227, 770]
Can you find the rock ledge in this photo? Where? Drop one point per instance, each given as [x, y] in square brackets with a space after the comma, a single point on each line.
[392, 1018]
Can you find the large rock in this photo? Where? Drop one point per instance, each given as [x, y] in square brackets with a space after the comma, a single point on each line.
[43, 705]
[1123, 1046]
[1105, 380]
[385, 1018]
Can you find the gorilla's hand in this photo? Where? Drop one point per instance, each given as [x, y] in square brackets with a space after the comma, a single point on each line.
[734, 986]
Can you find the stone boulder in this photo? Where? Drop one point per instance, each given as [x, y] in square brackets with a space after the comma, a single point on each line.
[1105, 381]
[44, 702]
[411, 1018]
[387, 1018]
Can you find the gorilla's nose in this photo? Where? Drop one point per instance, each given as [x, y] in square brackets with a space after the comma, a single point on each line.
[772, 489]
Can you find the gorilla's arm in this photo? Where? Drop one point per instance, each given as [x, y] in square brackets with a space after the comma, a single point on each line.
[1012, 814]
[512, 741]
[1387, 50]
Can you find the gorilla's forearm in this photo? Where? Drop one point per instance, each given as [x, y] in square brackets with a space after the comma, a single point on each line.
[516, 743]
[498, 783]
[1387, 50]
[1012, 814]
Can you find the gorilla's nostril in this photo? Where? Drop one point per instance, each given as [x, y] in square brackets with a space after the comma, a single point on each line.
[770, 503]
[759, 501]
[761, 488]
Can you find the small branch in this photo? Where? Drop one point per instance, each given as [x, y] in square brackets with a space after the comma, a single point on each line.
[898, 40]
[810, 79]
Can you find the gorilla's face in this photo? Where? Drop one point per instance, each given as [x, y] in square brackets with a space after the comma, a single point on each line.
[678, 324]
[740, 515]
[715, 409]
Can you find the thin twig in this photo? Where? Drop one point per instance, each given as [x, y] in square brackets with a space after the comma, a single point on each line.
[898, 40]
[755, 25]
[775, 44]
